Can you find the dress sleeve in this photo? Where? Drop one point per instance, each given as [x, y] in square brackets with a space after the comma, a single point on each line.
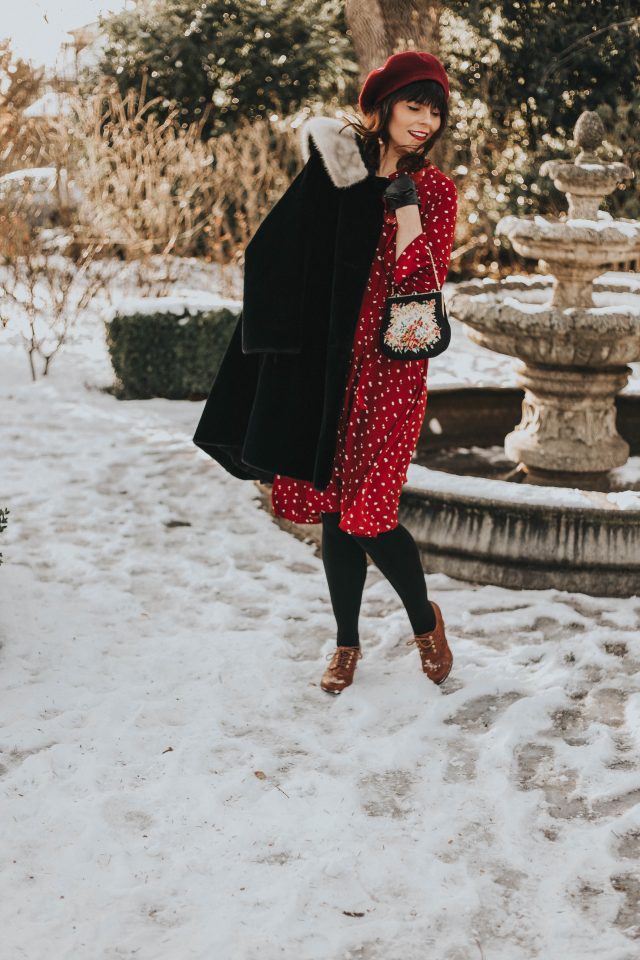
[413, 271]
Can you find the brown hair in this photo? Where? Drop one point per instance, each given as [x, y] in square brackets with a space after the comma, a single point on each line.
[375, 125]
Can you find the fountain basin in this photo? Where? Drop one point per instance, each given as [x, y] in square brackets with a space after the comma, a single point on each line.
[587, 180]
[497, 531]
[573, 363]
[576, 242]
[514, 316]
[477, 529]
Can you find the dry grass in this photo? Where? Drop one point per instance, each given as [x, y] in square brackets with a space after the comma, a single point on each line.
[144, 184]
[21, 138]
[152, 186]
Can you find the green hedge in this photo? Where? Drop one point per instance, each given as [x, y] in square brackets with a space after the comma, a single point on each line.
[167, 354]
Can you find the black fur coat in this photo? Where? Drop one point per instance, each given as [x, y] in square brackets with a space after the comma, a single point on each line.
[275, 403]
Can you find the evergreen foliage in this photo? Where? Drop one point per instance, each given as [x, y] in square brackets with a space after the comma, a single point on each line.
[555, 58]
[244, 57]
[529, 68]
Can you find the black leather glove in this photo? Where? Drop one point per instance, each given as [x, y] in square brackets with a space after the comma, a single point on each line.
[401, 192]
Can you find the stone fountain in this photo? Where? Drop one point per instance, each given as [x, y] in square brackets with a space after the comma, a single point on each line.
[555, 516]
[574, 351]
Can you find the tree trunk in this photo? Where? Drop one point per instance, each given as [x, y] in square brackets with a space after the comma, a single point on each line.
[382, 27]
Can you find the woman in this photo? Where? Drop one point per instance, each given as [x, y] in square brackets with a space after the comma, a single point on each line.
[364, 411]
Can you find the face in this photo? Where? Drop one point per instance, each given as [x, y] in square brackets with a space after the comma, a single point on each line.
[411, 123]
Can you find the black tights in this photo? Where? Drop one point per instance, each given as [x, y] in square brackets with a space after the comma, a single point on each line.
[396, 555]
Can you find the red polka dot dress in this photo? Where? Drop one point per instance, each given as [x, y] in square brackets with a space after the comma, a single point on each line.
[384, 400]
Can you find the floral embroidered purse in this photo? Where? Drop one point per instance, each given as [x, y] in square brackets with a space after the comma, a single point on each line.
[415, 325]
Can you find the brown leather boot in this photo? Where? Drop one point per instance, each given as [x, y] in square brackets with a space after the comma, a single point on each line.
[339, 673]
[435, 654]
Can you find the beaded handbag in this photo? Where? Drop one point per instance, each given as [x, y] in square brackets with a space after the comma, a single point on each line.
[415, 325]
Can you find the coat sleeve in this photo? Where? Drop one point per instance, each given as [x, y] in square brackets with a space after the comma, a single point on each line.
[413, 270]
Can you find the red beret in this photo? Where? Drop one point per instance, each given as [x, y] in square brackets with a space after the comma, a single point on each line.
[399, 70]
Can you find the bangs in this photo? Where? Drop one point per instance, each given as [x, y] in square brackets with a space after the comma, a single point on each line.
[422, 91]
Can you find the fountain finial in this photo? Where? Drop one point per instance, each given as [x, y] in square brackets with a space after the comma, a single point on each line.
[588, 134]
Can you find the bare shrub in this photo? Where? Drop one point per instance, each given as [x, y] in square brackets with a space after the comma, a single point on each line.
[4, 513]
[42, 292]
[144, 183]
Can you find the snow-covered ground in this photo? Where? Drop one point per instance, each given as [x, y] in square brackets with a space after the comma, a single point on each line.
[176, 786]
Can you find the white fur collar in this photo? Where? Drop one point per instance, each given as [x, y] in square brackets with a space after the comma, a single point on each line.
[338, 149]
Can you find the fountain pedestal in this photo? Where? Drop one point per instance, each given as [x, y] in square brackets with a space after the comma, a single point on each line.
[572, 285]
[568, 422]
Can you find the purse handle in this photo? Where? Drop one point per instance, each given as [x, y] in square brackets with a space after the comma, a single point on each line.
[435, 273]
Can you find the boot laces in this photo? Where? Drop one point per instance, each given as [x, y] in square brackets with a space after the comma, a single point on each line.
[343, 657]
[426, 644]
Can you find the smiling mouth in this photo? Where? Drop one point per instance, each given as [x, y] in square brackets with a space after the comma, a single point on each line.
[417, 135]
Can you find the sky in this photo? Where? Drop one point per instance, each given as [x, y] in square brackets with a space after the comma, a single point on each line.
[38, 27]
